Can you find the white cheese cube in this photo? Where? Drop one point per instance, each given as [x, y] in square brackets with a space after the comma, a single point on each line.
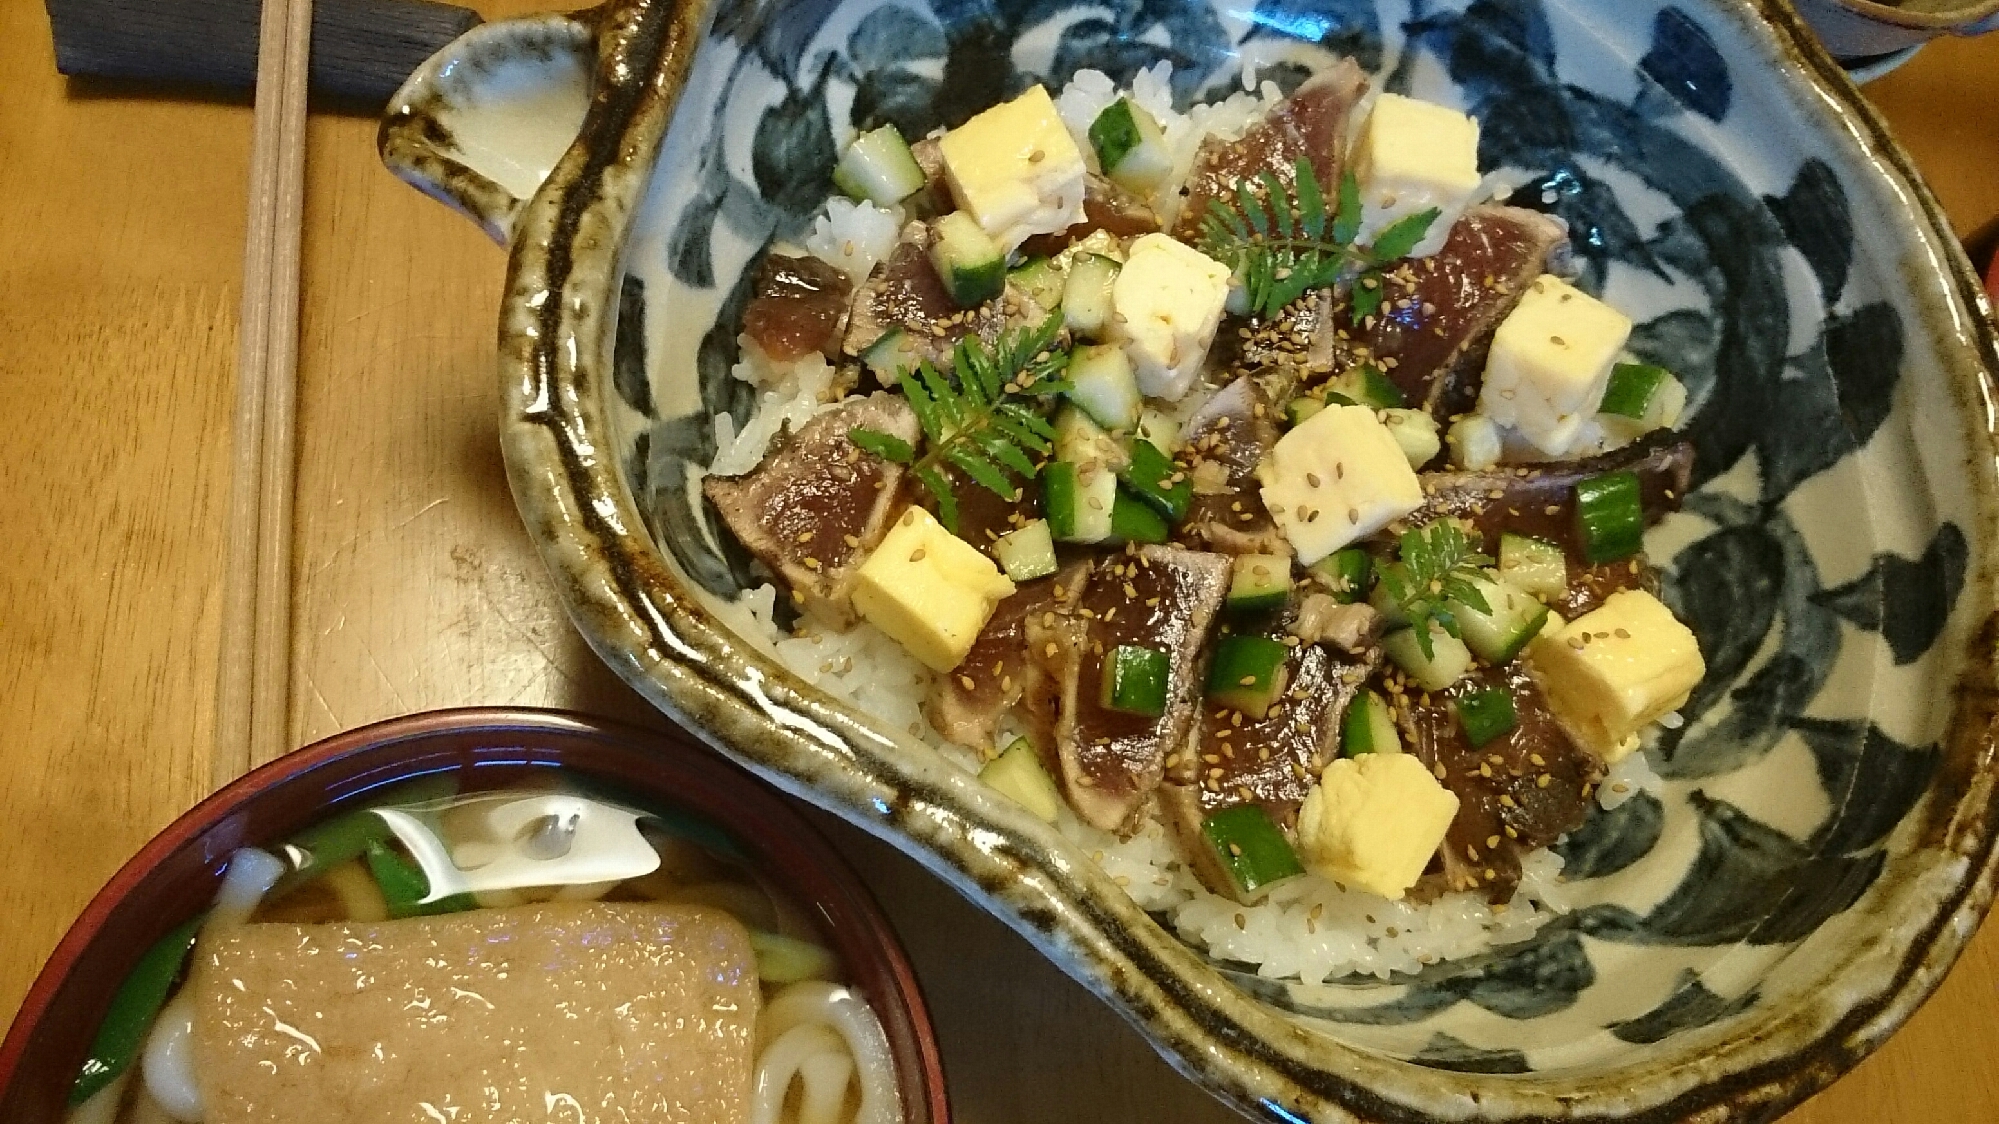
[1612, 672]
[1411, 156]
[1373, 821]
[1339, 477]
[929, 590]
[1550, 361]
[1016, 169]
[1165, 305]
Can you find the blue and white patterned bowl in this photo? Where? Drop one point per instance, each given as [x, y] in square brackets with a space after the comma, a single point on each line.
[1823, 845]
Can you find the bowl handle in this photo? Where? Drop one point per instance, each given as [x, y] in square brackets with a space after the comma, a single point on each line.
[481, 123]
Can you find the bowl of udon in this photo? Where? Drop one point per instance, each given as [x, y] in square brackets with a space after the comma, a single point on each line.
[1434, 555]
[480, 911]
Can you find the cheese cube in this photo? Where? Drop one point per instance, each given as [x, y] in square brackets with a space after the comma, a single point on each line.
[1165, 305]
[1016, 169]
[1549, 363]
[1413, 155]
[1373, 821]
[929, 590]
[1339, 477]
[1610, 673]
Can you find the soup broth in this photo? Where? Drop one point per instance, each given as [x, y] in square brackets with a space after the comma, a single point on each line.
[459, 956]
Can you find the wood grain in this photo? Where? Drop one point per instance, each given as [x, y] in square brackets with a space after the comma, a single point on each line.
[415, 586]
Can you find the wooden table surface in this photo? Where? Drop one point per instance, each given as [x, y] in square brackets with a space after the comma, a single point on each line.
[121, 232]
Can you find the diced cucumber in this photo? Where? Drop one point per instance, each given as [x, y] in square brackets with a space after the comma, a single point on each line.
[1134, 520]
[891, 355]
[1104, 385]
[1368, 727]
[1252, 850]
[1163, 430]
[1535, 565]
[1041, 281]
[1345, 574]
[1261, 583]
[1367, 386]
[1301, 409]
[1130, 146]
[971, 265]
[1247, 673]
[1448, 662]
[877, 167]
[1475, 442]
[1151, 474]
[1019, 775]
[1486, 715]
[1086, 297]
[1077, 501]
[1610, 517]
[1135, 680]
[1513, 617]
[1416, 433]
[1081, 441]
[1026, 553]
[1631, 388]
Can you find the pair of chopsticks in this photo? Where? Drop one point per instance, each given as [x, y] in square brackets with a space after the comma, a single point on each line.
[253, 689]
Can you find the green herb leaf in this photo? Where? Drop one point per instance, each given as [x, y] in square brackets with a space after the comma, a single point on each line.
[978, 419]
[884, 445]
[1311, 201]
[1435, 565]
[1366, 294]
[1402, 236]
[1346, 223]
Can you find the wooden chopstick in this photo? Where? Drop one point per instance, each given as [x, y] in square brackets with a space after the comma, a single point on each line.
[253, 688]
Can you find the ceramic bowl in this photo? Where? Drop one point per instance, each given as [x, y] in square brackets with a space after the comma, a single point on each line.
[1821, 845]
[1864, 29]
[174, 876]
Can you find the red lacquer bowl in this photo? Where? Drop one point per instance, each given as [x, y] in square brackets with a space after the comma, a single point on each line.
[175, 875]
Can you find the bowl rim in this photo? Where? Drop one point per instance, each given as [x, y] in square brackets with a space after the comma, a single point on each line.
[345, 763]
[635, 614]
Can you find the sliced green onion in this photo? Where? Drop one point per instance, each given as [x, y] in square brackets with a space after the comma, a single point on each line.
[1631, 388]
[1346, 573]
[1247, 673]
[1251, 848]
[134, 1006]
[1150, 476]
[1487, 714]
[404, 886]
[785, 960]
[1368, 727]
[1135, 680]
[1610, 517]
[1133, 520]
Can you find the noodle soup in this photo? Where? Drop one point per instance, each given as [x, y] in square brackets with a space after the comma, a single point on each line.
[467, 956]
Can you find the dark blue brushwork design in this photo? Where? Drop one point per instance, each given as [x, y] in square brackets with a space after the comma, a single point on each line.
[1750, 586]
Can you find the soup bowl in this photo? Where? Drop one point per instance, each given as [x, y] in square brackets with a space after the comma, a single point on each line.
[1819, 844]
[176, 874]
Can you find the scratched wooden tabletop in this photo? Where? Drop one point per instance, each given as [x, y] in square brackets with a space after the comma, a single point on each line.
[121, 231]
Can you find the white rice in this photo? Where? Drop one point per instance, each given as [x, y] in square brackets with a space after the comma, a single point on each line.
[1310, 928]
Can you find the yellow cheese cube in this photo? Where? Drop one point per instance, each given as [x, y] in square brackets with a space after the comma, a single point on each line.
[1016, 169]
[1612, 672]
[1549, 363]
[1167, 302]
[929, 590]
[1373, 821]
[1413, 155]
[1339, 477]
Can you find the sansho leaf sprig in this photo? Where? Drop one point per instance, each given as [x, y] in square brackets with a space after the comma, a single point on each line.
[1282, 243]
[979, 419]
[1436, 565]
